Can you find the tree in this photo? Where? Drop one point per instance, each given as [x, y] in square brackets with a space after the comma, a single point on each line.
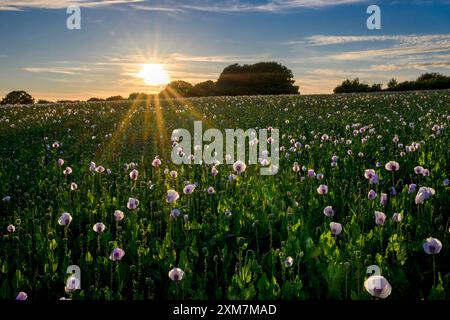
[392, 84]
[18, 97]
[94, 99]
[115, 98]
[354, 85]
[204, 89]
[139, 96]
[177, 89]
[262, 78]
[43, 101]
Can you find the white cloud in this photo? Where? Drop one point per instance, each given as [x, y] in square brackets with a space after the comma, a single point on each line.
[62, 70]
[19, 5]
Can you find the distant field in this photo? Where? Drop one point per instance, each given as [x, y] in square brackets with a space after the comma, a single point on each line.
[234, 243]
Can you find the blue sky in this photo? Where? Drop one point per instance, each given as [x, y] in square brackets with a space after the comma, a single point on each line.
[322, 42]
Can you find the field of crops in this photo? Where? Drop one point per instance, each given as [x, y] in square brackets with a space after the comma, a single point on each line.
[362, 180]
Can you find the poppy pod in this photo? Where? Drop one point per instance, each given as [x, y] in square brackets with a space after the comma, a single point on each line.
[118, 215]
[239, 167]
[189, 189]
[176, 274]
[99, 227]
[328, 211]
[65, 219]
[392, 166]
[132, 203]
[322, 189]
[380, 217]
[378, 286]
[134, 174]
[117, 254]
[432, 246]
[172, 196]
[336, 228]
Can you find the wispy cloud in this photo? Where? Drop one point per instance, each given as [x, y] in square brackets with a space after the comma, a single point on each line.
[221, 6]
[62, 70]
[8, 5]
[411, 39]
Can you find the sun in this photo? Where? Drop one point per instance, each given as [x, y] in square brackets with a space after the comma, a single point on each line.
[154, 74]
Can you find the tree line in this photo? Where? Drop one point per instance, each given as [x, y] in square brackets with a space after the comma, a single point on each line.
[426, 81]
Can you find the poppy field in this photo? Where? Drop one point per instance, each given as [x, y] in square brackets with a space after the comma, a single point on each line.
[362, 183]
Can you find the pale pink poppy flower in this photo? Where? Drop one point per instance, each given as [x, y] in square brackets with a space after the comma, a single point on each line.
[239, 167]
[211, 190]
[371, 195]
[412, 188]
[174, 213]
[73, 186]
[214, 171]
[336, 228]
[133, 203]
[232, 177]
[117, 254]
[380, 217]
[334, 158]
[72, 284]
[288, 262]
[432, 246]
[426, 173]
[176, 274]
[173, 174]
[325, 137]
[92, 167]
[108, 171]
[328, 211]
[100, 169]
[369, 173]
[6, 199]
[55, 145]
[99, 227]
[166, 171]
[378, 286]
[227, 157]
[22, 296]
[118, 215]
[65, 219]
[383, 199]
[60, 162]
[319, 176]
[156, 162]
[134, 174]
[189, 189]
[311, 173]
[392, 166]
[418, 170]
[172, 196]
[349, 152]
[270, 140]
[296, 167]
[397, 217]
[186, 218]
[423, 194]
[322, 189]
[67, 171]
[10, 228]
[264, 162]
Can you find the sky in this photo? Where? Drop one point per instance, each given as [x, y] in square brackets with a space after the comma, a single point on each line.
[322, 41]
